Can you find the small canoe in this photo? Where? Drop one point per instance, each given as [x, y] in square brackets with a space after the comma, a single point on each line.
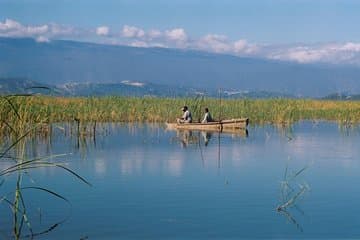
[223, 125]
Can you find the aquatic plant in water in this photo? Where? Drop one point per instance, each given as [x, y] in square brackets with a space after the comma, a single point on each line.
[291, 191]
[16, 150]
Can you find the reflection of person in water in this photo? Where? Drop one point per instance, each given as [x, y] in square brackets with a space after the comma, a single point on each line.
[185, 137]
[206, 136]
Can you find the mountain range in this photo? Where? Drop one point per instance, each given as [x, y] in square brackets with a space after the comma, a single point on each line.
[105, 69]
[10, 86]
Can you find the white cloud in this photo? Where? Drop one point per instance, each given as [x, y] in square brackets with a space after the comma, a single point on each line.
[132, 32]
[9, 24]
[306, 56]
[351, 47]
[177, 34]
[60, 30]
[36, 30]
[153, 33]
[215, 43]
[102, 31]
[240, 45]
[243, 47]
[335, 53]
[301, 54]
[11, 28]
[221, 44]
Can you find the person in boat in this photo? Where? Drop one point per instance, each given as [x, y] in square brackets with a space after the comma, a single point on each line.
[207, 117]
[186, 117]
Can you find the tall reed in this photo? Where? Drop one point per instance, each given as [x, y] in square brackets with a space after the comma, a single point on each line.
[17, 124]
[150, 109]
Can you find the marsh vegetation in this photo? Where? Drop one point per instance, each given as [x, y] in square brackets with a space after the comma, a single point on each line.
[18, 160]
[43, 110]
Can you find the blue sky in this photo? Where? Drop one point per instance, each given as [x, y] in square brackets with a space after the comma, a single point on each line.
[267, 28]
[263, 21]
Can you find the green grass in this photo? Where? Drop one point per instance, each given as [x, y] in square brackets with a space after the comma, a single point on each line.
[40, 109]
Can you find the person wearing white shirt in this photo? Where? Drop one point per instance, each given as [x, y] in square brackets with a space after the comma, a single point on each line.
[186, 117]
[207, 116]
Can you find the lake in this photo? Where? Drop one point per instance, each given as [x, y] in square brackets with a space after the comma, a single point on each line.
[150, 183]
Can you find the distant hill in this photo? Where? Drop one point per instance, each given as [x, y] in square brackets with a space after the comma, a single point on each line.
[25, 86]
[342, 96]
[64, 62]
[125, 88]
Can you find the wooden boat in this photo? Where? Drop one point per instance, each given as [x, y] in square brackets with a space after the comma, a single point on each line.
[219, 126]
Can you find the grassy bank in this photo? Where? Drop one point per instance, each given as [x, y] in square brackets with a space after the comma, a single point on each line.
[124, 109]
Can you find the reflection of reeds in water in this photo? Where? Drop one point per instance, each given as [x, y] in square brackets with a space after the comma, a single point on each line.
[291, 192]
[16, 132]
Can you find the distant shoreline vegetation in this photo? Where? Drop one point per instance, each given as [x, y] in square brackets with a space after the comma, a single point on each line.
[44, 109]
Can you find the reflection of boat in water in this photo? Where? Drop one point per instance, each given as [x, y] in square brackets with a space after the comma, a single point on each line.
[229, 126]
[188, 137]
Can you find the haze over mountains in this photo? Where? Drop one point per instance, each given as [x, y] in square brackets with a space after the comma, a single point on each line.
[166, 70]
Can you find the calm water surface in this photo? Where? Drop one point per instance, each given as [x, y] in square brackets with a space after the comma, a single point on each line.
[149, 183]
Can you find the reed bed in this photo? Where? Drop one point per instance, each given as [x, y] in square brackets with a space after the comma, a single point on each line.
[20, 117]
[42, 109]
